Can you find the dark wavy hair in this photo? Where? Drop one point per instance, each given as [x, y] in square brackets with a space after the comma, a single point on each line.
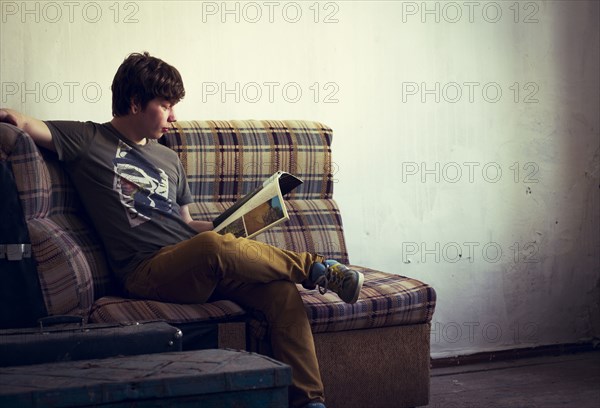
[143, 78]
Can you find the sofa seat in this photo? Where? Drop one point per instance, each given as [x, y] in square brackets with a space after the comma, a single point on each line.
[385, 300]
[111, 309]
[218, 324]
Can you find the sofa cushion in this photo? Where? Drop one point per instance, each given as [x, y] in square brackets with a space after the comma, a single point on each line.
[385, 300]
[314, 226]
[67, 212]
[226, 159]
[111, 309]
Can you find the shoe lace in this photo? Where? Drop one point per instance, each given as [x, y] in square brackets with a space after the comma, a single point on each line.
[322, 282]
[331, 279]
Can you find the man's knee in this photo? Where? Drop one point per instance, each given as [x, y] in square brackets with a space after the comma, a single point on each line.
[230, 249]
[209, 244]
[209, 239]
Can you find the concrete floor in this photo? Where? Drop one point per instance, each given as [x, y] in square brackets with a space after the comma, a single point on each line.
[542, 382]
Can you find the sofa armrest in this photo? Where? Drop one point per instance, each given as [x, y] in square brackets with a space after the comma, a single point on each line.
[63, 270]
[63, 261]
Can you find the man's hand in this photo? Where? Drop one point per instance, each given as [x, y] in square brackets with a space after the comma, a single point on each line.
[199, 226]
[37, 129]
[7, 117]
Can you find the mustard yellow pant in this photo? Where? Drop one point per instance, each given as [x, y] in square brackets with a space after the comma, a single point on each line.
[253, 274]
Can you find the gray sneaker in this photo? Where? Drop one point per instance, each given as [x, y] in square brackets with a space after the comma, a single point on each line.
[332, 275]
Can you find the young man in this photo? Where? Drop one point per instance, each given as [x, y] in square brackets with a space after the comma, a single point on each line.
[136, 193]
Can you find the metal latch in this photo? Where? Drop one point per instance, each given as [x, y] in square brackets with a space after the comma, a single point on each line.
[15, 252]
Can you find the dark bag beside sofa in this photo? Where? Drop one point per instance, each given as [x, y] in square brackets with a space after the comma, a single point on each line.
[78, 341]
[21, 301]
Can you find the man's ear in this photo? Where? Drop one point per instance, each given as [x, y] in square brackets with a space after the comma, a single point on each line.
[134, 106]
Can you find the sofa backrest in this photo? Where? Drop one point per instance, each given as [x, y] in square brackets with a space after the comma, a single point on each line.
[226, 159]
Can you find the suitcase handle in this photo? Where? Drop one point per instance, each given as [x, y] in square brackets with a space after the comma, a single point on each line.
[60, 319]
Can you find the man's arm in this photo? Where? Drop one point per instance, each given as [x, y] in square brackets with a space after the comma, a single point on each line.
[199, 226]
[38, 130]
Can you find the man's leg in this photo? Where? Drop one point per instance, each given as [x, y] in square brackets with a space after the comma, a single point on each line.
[288, 330]
[256, 276]
[189, 271]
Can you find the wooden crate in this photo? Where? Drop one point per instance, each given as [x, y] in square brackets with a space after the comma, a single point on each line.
[207, 378]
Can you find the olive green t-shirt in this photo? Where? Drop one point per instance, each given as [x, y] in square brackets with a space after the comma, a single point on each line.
[131, 192]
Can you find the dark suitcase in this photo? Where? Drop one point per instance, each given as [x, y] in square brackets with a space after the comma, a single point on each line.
[90, 341]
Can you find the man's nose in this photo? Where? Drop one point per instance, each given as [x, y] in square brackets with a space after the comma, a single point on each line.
[172, 116]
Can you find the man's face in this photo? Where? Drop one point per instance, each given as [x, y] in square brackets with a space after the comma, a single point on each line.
[156, 118]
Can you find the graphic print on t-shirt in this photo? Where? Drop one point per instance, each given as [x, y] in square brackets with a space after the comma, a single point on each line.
[142, 187]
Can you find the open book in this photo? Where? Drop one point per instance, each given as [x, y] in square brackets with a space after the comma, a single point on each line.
[259, 210]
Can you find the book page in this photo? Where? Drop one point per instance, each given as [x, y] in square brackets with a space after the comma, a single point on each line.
[267, 214]
[262, 208]
[259, 197]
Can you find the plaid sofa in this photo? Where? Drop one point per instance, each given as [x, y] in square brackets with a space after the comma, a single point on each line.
[373, 353]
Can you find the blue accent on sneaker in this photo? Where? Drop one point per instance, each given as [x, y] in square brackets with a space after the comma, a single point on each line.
[314, 405]
[317, 270]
